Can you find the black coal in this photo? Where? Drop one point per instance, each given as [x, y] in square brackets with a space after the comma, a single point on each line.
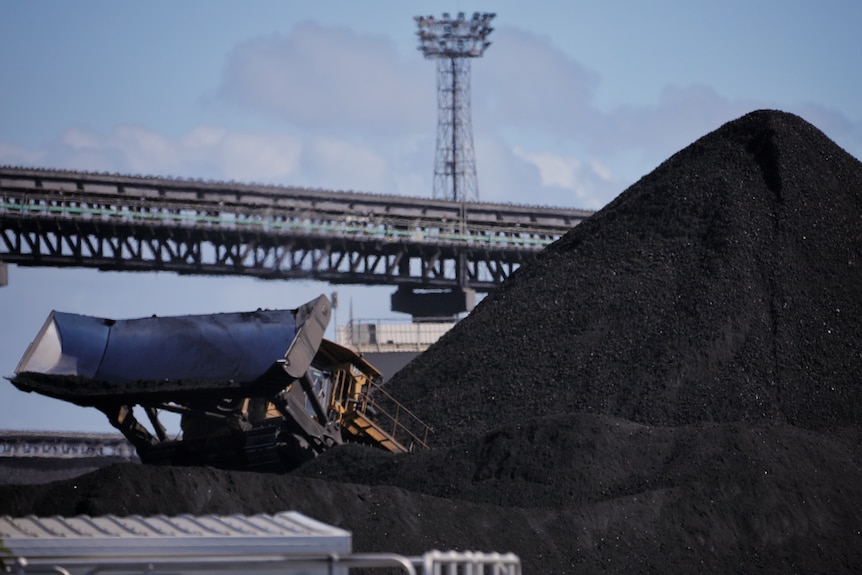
[672, 387]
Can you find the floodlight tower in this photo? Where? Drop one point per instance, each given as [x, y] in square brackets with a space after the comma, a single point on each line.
[452, 42]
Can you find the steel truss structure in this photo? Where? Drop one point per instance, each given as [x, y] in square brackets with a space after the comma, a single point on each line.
[129, 223]
[452, 42]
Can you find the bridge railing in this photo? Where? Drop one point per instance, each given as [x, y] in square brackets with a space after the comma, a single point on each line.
[119, 223]
[52, 206]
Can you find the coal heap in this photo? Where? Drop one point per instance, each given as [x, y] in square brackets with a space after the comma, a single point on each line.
[723, 286]
[669, 388]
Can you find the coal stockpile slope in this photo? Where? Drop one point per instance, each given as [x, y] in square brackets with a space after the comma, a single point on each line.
[569, 494]
[723, 286]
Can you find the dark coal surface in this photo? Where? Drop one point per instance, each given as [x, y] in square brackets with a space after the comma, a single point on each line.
[670, 388]
[33, 470]
[723, 286]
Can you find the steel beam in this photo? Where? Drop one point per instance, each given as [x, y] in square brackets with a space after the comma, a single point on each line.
[127, 223]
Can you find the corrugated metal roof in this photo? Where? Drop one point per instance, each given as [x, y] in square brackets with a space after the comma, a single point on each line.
[179, 536]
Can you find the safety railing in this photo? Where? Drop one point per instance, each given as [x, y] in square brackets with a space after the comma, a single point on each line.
[431, 563]
[401, 423]
[375, 405]
[270, 221]
[387, 335]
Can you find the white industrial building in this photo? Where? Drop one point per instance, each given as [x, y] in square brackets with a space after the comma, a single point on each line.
[389, 345]
[287, 543]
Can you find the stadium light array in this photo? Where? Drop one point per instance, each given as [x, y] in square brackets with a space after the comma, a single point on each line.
[459, 37]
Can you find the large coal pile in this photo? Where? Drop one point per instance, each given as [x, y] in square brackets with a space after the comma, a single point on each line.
[723, 286]
[670, 388]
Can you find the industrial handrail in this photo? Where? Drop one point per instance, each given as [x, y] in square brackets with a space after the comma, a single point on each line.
[272, 221]
[399, 425]
[430, 563]
[369, 399]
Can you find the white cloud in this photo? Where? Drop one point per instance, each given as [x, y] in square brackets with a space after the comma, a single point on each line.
[144, 151]
[203, 137]
[358, 107]
[555, 170]
[12, 155]
[509, 174]
[537, 98]
[214, 153]
[571, 174]
[601, 170]
[206, 152]
[343, 165]
[260, 157]
[525, 81]
[344, 111]
[78, 139]
[241, 156]
[330, 80]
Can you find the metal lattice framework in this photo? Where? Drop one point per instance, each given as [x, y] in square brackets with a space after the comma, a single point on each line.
[453, 42]
[126, 223]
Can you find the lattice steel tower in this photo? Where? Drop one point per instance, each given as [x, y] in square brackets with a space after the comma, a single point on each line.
[452, 42]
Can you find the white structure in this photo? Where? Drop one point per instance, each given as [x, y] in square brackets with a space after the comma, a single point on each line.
[287, 543]
[389, 345]
[382, 336]
[182, 544]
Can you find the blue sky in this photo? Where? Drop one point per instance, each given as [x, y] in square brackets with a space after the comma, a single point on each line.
[572, 103]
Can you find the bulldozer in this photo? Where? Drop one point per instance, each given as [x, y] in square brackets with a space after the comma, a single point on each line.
[262, 390]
